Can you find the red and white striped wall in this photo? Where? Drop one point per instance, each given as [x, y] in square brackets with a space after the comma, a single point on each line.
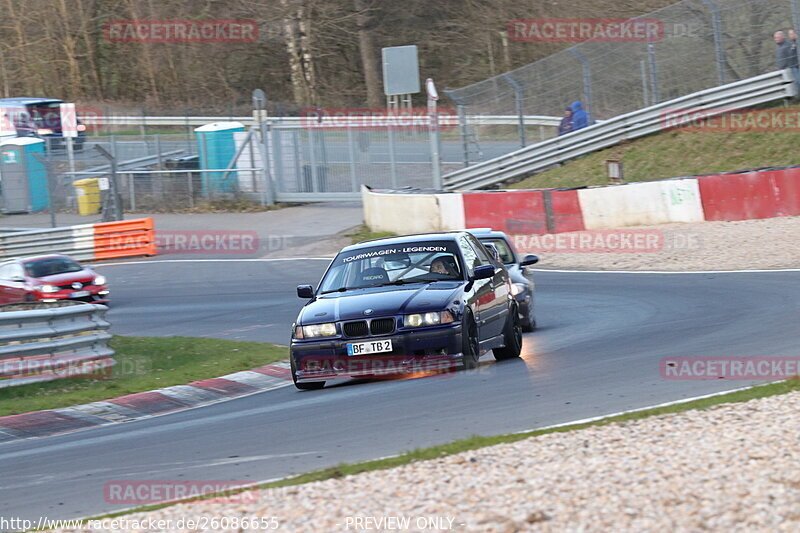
[733, 196]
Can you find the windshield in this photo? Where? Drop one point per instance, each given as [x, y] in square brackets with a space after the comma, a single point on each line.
[506, 255]
[393, 264]
[51, 266]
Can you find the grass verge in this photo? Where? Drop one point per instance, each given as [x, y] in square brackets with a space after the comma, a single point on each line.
[144, 363]
[677, 153]
[362, 233]
[476, 442]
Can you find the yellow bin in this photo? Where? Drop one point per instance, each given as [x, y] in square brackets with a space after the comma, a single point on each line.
[88, 191]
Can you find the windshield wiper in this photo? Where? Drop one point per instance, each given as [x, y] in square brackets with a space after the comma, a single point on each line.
[340, 289]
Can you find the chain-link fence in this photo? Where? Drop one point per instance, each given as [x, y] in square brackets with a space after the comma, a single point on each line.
[167, 172]
[702, 44]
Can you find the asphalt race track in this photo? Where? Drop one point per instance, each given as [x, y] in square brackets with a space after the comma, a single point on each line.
[597, 351]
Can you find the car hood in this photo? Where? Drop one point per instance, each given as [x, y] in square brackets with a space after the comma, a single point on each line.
[384, 301]
[68, 277]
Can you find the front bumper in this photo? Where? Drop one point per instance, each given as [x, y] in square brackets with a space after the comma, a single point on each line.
[97, 295]
[432, 349]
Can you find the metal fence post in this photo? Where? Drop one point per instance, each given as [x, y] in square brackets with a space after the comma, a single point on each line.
[587, 83]
[795, 14]
[116, 200]
[352, 154]
[267, 196]
[645, 95]
[392, 162]
[519, 105]
[716, 24]
[651, 56]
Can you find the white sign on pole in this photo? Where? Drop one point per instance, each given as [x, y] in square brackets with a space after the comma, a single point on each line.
[430, 88]
[103, 184]
[69, 121]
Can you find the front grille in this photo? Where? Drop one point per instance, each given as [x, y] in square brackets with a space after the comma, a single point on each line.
[356, 329]
[69, 286]
[382, 326]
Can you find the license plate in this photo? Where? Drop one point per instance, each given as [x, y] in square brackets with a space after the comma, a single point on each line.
[364, 348]
[79, 294]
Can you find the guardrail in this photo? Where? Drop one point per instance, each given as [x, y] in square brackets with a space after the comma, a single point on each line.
[43, 342]
[474, 120]
[537, 157]
[85, 242]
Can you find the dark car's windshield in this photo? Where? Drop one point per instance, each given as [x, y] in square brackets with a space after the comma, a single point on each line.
[394, 264]
[50, 266]
[506, 255]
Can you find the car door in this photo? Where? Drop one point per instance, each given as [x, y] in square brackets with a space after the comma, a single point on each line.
[497, 299]
[6, 288]
[15, 284]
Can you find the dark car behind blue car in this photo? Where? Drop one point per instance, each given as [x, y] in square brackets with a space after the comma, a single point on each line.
[522, 285]
[402, 304]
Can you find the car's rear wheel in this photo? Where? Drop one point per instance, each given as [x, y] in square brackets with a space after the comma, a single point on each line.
[305, 385]
[470, 347]
[512, 338]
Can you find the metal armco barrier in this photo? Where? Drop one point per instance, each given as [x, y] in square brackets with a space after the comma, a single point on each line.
[537, 157]
[85, 242]
[44, 342]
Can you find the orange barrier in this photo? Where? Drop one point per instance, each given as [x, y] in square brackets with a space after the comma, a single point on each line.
[125, 238]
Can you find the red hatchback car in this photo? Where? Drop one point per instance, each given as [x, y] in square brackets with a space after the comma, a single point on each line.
[48, 278]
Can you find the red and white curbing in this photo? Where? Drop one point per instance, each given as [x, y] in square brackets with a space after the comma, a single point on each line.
[144, 404]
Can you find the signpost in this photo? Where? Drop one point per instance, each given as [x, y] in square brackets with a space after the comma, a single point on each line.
[436, 161]
[69, 130]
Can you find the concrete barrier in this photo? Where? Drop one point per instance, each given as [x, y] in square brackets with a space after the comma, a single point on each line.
[412, 212]
[641, 204]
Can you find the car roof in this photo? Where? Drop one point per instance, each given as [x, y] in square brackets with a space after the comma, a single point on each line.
[483, 233]
[40, 257]
[27, 100]
[404, 239]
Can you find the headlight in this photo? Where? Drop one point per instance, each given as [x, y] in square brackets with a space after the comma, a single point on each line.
[48, 288]
[99, 280]
[517, 288]
[315, 330]
[427, 319]
[44, 131]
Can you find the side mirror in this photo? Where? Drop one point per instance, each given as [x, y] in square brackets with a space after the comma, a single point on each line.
[305, 291]
[529, 260]
[483, 272]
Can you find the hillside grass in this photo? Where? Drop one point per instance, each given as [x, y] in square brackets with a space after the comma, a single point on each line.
[677, 153]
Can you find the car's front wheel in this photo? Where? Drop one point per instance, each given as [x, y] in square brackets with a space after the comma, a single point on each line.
[304, 385]
[470, 347]
[512, 338]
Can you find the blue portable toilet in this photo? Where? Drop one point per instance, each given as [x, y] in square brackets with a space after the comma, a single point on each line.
[216, 147]
[23, 177]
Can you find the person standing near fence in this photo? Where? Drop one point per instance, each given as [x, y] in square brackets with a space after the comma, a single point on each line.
[566, 123]
[786, 54]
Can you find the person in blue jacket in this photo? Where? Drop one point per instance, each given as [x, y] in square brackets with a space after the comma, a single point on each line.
[580, 118]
